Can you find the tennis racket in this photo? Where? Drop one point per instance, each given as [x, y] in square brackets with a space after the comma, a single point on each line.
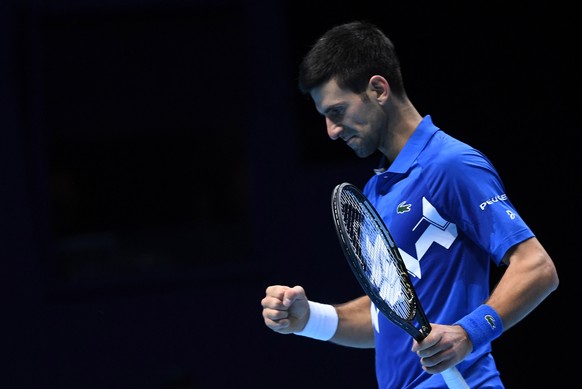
[376, 262]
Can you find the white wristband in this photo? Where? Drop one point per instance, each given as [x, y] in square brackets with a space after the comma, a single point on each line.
[322, 322]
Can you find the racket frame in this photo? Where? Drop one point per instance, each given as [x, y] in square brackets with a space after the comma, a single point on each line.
[417, 326]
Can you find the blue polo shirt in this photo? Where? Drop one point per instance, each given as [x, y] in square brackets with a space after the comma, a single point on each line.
[447, 210]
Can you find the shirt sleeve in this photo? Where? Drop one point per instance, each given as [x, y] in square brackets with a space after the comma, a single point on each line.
[474, 198]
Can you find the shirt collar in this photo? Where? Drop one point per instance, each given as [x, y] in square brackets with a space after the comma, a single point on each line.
[413, 147]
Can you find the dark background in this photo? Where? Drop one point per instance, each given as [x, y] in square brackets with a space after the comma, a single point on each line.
[151, 153]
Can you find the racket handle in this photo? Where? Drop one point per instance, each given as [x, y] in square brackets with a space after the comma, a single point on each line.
[454, 379]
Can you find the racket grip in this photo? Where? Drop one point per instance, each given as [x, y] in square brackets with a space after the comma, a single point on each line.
[454, 379]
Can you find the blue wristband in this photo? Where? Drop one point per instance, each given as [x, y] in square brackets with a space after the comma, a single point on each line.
[483, 325]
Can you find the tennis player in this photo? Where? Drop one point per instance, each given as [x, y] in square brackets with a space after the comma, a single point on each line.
[448, 211]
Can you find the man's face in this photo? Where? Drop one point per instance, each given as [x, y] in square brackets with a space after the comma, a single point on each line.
[356, 118]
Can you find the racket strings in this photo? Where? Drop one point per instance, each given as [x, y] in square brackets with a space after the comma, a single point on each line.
[376, 257]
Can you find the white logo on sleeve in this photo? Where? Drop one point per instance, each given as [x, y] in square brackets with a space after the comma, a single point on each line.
[492, 200]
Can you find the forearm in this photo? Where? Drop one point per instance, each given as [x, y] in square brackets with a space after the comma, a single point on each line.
[355, 324]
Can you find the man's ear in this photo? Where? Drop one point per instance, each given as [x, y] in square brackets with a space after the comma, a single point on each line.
[379, 87]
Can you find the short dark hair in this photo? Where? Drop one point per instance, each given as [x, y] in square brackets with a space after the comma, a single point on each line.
[351, 53]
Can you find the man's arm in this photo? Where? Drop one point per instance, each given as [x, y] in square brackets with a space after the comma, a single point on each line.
[530, 277]
[355, 324]
[287, 310]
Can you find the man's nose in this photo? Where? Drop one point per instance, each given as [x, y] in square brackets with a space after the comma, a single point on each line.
[333, 128]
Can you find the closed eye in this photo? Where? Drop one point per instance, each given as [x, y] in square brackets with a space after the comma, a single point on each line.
[335, 113]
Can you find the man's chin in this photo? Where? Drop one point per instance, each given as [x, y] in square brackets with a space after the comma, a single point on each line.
[362, 153]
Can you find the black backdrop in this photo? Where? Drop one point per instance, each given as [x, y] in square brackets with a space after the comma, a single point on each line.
[150, 151]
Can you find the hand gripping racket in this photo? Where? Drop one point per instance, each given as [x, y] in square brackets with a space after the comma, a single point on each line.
[379, 268]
